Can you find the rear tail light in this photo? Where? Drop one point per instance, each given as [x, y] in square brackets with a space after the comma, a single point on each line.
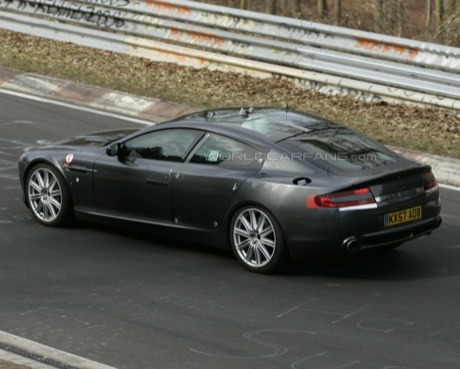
[430, 184]
[362, 196]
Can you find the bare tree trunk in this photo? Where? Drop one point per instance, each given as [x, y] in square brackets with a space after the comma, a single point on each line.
[397, 17]
[322, 8]
[439, 10]
[378, 15]
[429, 11]
[271, 6]
[337, 11]
[298, 8]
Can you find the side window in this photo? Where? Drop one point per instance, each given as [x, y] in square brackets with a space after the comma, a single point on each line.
[168, 144]
[228, 153]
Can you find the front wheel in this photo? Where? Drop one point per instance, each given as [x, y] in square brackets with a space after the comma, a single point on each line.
[257, 240]
[47, 196]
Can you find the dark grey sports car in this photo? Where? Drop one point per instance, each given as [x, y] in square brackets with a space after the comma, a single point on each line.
[268, 183]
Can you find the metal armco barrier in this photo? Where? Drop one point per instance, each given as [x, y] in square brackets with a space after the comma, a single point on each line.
[331, 59]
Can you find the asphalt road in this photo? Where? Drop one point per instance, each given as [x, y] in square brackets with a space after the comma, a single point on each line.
[141, 302]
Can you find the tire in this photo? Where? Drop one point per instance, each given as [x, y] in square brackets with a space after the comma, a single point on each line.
[48, 197]
[257, 241]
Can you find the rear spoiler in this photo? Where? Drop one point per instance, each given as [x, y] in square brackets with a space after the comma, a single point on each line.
[416, 168]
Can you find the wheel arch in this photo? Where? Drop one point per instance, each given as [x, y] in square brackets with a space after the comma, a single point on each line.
[235, 207]
[33, 163]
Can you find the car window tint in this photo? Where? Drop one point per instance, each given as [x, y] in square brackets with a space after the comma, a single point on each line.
[339, 149]
[168, 144]
[226, 152]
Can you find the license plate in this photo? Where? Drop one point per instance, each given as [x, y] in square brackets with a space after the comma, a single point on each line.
[403, 216]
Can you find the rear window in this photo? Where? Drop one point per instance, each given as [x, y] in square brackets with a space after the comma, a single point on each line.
[292, 124]
[339, 149]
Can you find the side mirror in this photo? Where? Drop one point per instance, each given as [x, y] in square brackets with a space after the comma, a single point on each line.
[115, 149]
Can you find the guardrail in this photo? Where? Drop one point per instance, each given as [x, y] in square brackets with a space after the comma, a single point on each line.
[331, 59]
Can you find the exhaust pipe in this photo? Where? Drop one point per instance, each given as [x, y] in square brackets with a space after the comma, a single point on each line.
[351, 244]
[438, 222]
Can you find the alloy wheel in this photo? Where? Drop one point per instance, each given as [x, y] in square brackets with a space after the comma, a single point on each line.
[44, 194]
[254, 237]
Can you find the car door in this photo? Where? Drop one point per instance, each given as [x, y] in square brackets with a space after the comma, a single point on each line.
[205, 184]
[136, 183]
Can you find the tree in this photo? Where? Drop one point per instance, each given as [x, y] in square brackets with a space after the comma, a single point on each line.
[271, 6]
[378, 15]
[337, 11]
[298, 8]
[429, 11]
[397, 17]
[322, 8]
[439, 11]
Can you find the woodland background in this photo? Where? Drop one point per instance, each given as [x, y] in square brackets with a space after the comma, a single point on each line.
[435, 21]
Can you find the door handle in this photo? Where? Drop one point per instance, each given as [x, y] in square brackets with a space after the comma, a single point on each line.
[157, 177]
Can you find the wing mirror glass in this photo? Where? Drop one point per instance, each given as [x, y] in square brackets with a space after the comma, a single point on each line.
[116, 149]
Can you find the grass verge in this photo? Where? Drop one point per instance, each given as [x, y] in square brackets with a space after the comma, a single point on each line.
[9, 365]
[426, 129]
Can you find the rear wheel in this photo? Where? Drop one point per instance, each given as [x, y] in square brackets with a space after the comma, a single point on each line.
[257, 240]
[47, 196]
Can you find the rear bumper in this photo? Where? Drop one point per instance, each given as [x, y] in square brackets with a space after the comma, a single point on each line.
[349, 245]
[395, 236]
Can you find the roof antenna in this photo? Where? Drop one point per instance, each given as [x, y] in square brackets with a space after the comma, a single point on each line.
[246, 111]
[210, 115]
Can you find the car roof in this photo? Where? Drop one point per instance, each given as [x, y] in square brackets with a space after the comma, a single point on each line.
[263, 123]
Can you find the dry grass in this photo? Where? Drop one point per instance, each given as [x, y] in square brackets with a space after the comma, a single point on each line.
[426, 129]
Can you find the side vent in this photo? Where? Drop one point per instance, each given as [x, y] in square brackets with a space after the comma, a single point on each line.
[301, 181]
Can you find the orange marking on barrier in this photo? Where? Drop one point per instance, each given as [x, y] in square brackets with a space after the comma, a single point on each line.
[413, 54]
[196, 37]
[207, 38]
[219, 41]
[174, 33]
[161, 8]
[384, 47]
[364, 43]
[398, 48]
[201, 37]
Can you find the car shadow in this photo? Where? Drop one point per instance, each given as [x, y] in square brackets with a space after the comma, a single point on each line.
[148, 240]
[398, 264]
[408, 262]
